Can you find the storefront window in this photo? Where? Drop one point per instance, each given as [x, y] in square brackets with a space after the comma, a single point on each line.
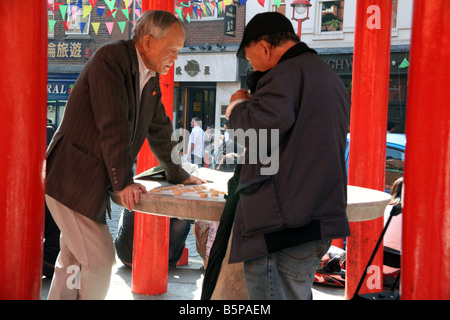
[77, 23]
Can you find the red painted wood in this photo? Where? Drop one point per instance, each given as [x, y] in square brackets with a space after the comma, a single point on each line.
[426, 214]
[23, 82]
[151, 233]
[368, 127]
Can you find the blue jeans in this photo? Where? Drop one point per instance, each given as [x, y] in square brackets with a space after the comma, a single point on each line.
[287, 274]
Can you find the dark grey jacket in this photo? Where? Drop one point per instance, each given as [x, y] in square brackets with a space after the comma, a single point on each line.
[306, 198]
[104, 126]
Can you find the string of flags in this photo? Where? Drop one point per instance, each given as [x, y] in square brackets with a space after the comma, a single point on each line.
[184, 10]
[70, 11]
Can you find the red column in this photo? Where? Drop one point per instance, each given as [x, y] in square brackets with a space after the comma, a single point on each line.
[368, 126]
[151, 233]
[23, 80]
[426, 223]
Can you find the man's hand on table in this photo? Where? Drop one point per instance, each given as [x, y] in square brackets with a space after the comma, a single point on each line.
[193, 180]
[131, 194]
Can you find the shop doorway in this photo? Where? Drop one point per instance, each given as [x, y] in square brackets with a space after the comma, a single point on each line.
[194, 101]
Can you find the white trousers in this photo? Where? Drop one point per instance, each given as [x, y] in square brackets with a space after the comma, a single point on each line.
[87, 254]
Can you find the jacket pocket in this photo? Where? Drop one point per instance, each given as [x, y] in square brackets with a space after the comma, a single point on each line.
[258, 209]
[85, 152]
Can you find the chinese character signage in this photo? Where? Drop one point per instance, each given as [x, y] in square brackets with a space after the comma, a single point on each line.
[65, 50]
[230, 21]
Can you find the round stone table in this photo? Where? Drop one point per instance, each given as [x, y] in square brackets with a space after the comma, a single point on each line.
[362, 204]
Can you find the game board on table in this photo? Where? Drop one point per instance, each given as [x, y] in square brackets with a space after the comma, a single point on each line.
[197, 202]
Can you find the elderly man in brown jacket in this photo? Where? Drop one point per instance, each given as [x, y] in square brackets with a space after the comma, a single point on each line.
[114, 105]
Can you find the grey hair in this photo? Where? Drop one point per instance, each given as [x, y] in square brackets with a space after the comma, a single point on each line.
[155, 23]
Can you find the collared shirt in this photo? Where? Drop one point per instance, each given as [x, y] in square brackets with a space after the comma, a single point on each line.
[144, 73]
[196, 137]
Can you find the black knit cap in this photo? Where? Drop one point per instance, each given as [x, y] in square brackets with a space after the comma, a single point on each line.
[263, 24]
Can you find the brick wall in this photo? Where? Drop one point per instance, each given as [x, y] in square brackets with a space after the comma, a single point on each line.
[211, 31]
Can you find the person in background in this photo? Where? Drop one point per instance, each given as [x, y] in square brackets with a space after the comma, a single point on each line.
[392, 240]
[196, 142]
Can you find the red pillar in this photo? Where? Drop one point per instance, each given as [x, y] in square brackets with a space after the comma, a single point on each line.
[426, 223]
[368, 126]
[23, 80]
[151, 232]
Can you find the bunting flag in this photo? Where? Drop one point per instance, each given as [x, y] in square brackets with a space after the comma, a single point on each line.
[404, 64]
[63, 9]
[109, 26]
[113, 13]
[179, 13]
[74, 13]
[95, 26]
[277, 3]
[137, 12]
[51, 24]
[261, 2]
[82, 26]
[100, 11]
[126, 13]
[122, 25]
[110, 4]
[50, 6]
[86, 11]
[66, 25]
[127, 3]
[92, 2]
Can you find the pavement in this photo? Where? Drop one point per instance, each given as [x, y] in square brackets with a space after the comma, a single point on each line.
[184, 283]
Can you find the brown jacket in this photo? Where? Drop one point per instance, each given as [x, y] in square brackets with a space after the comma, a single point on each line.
[103, 129]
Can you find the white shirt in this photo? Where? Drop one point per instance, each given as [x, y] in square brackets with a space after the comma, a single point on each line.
[144, 73]
[196, 137]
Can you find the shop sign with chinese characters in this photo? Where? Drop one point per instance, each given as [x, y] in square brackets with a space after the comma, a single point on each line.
[65, 50]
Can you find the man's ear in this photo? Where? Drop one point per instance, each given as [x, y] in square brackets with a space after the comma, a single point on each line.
[266, 47]
[147, 41]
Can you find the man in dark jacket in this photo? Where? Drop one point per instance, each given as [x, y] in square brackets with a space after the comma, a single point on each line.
[292, 206]
[114, 106]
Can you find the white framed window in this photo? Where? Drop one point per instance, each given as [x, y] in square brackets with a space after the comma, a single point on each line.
[208, 13]
[329, 22]
[78, 25]
[331, 15]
